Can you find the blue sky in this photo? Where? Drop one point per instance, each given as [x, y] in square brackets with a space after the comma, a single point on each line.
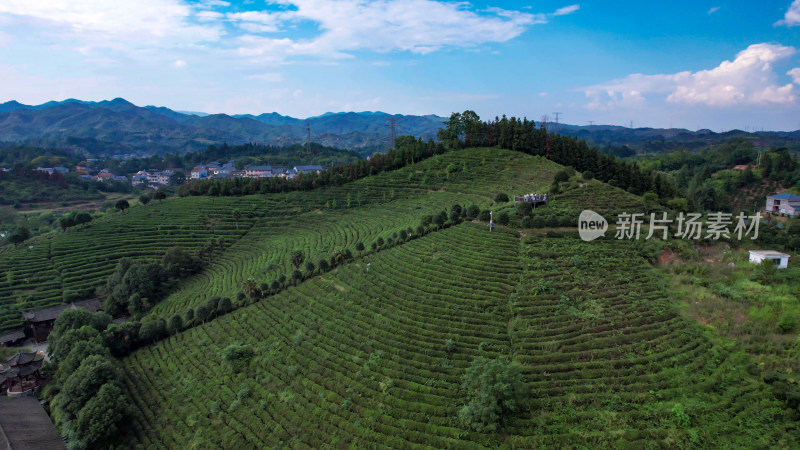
[699, 64]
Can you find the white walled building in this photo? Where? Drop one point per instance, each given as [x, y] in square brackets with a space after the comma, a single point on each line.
[779, 259]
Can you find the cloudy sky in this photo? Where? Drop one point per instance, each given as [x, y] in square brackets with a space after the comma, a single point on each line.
[694, 64]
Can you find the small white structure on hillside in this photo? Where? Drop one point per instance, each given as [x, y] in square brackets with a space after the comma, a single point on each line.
[781, 260]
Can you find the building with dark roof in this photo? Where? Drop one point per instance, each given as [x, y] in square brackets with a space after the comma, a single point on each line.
[40, 322]
[19, 374]
[308, 169]
[24, 425]
[12, 338]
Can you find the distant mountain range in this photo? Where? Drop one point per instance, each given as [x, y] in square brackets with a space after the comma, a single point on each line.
[666, 139]
[118, 126]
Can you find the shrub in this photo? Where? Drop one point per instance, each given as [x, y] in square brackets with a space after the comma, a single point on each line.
[527, 222]
[501, 198]
[494, 391]
[524, 209]
[787, 323]
[484, 216]
[503, 218]
[561, 176]
[679, 414]
[237, 356]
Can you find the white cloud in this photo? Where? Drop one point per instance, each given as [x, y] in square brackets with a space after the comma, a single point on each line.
[713, 10]
[747, 80]
[795, 74]
[256, 21]
[208, 16]
[213, 3]
[417, 26]
[99, 23]
[566, 10]
[792, 16]
[344, 26]
[179, 64]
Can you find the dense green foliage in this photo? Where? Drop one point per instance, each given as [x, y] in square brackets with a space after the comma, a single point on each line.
[466, 129]
[28, 185]
[495, 389]
[710, 184]
[86, 395]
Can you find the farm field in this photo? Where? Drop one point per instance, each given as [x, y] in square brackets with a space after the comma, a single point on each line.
[369, 354]
[65, 265]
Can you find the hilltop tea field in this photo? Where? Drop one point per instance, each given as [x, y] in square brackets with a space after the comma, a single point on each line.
[380, 313]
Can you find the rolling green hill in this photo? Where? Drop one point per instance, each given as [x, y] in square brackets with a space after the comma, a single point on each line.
[374, 353]
[317, 222]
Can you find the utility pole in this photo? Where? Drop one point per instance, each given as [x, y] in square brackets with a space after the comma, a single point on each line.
[308, 137]
[392, 124]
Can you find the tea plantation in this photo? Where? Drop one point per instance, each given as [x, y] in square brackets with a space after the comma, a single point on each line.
[374, 352]
[253, 235]
[378, 351]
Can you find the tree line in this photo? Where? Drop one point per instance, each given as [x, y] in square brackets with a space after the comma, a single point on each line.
[409, 150]
[468, 130]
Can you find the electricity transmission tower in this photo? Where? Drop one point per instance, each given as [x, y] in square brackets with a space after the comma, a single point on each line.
[557, 114]
[546, 135]
[308, 137]
[392, 124]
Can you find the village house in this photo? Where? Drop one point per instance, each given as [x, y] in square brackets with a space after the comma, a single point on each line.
[781, 260]
[138, 179]
[40, 322]
[159, 178]
[308, 169]
[199, 172]
[12, 338]
[785, 203]
[258, 171]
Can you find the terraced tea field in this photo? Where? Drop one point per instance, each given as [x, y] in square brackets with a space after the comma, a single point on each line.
[374, 354]
[269, 227]
[82, 259]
